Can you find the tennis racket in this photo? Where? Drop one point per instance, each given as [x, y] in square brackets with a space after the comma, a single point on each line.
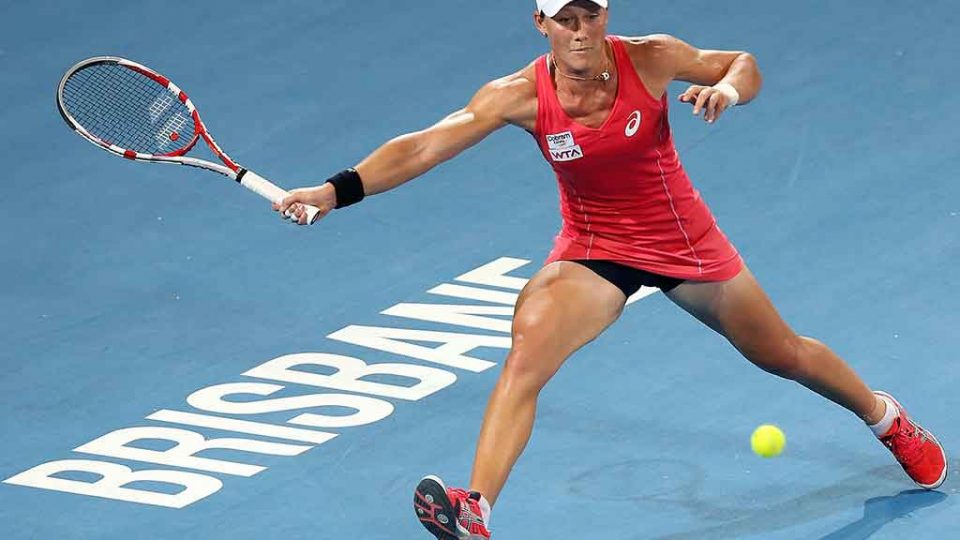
[134, 112]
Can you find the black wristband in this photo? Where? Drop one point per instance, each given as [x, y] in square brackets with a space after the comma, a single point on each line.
[348, 186]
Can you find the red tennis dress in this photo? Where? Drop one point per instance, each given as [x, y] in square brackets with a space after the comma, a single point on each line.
[624, 196]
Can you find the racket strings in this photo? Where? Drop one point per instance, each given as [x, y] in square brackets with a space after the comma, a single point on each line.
[128, 109]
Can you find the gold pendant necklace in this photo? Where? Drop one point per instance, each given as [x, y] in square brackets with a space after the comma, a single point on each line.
[602, 77]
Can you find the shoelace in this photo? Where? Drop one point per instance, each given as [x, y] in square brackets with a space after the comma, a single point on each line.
[908, 442]
[461, 507]
[469, 519]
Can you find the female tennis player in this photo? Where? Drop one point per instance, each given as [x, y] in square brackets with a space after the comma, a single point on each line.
[597, 106]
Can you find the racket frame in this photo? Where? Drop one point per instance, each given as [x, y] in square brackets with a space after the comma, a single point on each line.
[230, 168]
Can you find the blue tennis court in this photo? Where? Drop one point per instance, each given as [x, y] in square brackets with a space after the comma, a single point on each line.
[180, 363]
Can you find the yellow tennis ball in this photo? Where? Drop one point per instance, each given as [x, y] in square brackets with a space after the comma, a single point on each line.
[768, 441]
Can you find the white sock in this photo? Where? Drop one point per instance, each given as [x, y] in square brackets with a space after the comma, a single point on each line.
[485, 510]
[889, 416]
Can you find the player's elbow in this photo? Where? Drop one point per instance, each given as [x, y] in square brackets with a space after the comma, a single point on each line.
[753, 68]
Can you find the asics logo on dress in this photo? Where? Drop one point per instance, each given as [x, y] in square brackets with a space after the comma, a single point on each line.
[633, 124]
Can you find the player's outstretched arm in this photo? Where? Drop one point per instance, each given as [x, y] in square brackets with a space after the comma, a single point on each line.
[721, 79]
[408, 156]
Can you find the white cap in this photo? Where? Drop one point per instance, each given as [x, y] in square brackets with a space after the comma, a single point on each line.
[551, 7]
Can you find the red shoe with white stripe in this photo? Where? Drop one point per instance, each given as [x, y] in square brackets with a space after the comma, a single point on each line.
[449, 513]
[917, 450]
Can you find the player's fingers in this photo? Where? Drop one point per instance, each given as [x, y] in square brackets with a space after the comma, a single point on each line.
[701, 100]
[309, 218]
[284, 206]
[690, 93]
[713, 107]
[721, 108]
[294, 211]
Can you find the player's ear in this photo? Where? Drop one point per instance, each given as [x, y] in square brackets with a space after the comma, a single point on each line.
[538, 21]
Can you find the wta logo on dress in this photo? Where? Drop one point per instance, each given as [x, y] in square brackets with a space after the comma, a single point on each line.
[563, 147]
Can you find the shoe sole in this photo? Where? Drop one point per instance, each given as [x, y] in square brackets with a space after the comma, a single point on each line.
[946, 465]
[434, 509]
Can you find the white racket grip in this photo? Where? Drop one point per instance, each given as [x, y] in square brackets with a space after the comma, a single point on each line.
[273, 193]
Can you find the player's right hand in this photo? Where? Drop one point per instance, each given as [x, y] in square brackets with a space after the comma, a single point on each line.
[708, 99]
[323, 197]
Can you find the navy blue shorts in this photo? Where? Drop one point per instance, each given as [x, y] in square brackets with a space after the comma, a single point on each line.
[629, 279]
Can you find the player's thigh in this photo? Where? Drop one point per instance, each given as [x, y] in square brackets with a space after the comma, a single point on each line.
[740, 310]
[563, 307]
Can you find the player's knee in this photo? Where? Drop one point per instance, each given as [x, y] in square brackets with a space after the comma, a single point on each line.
[808, 350]
[525, 372]
[786, 359]
[528, 364]
[530, 328]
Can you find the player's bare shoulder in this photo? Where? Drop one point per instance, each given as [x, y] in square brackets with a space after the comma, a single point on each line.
[512, 97]
[654, 53]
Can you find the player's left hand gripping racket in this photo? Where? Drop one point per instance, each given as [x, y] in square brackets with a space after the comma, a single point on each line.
[132, 111]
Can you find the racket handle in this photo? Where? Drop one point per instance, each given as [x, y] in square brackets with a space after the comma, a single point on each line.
[266, 189]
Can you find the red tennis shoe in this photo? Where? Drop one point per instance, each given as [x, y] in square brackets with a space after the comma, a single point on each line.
[449, 513]
[917, 450]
